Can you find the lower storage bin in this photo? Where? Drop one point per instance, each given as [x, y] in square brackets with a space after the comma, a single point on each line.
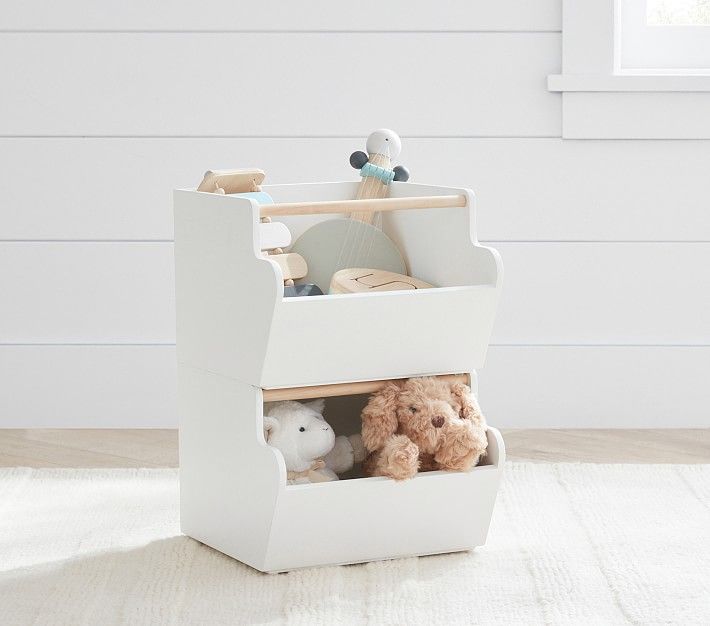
[234, 495]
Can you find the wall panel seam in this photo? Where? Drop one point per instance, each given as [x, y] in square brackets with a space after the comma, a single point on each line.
[285, 137]
[482, 241]
[492, 345]
[323, 31]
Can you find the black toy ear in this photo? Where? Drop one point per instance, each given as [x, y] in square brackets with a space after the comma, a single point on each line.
[358, 159]
[401, 173]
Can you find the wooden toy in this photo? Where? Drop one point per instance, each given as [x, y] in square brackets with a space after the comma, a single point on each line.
[247, 184]
[358, 241]
[358, 280]
[274, 235]
[293, 266]
[231, 181]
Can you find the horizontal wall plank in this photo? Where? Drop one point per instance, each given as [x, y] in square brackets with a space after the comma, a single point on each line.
[613, 293]
[527, 189]
[636, 115]
[127, 84]
[553, 293]
[395, 15]
[87, 386]
[595, 387]
[520, 387]
[555, 189]
[87, 292]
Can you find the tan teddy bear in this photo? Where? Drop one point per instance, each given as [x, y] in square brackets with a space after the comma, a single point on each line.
[422, 424]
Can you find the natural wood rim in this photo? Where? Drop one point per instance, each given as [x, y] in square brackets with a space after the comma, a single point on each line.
[353, 206]
[344, 389]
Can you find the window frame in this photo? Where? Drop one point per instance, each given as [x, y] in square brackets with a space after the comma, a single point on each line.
[599, 101]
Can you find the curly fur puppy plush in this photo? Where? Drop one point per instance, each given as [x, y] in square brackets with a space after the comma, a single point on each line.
[422, 424]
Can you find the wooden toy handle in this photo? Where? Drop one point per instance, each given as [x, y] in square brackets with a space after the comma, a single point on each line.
[371, 188]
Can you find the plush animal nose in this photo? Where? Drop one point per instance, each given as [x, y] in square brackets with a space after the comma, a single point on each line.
[437, 421]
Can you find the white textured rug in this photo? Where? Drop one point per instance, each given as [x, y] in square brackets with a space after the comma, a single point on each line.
[569, 544]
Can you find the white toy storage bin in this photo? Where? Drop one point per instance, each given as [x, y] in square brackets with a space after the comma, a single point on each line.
[238, 340]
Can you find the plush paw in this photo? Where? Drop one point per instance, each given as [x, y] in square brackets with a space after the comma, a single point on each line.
[359, 451]
[341, 457]
[461, 448]
[323, 475]
[400, 458]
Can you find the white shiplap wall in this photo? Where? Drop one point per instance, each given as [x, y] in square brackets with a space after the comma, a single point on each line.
[606, 307]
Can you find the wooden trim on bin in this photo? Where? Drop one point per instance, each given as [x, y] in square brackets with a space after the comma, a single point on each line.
[343, 389]
[353, 206]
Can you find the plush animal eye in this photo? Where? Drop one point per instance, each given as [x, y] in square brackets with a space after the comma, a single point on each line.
[302, 429]
[413, 409]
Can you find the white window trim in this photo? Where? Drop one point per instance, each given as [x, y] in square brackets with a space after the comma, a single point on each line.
[600, 102]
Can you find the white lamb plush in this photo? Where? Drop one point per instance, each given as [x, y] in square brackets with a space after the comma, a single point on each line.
[307, 442]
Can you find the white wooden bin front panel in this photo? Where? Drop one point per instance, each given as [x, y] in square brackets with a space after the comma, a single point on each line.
[376, 518]
[376, 336]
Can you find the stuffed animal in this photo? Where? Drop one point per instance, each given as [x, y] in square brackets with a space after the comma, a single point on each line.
[307, 442]
[422, 424]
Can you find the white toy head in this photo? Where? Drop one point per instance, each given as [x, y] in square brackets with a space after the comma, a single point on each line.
[299, 431]
[384, 141]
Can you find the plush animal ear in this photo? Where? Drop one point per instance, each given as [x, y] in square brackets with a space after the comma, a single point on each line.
[379, 417]
[271, 425]
[317, 405]
[469, 405]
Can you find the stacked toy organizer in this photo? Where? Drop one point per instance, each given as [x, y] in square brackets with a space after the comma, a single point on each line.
[240, 342]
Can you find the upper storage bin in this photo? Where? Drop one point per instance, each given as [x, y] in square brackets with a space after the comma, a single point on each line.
[232, 318]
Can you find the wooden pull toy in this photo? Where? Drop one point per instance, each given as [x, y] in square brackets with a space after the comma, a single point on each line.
[293, 266]
[274, 235]
[232, 181]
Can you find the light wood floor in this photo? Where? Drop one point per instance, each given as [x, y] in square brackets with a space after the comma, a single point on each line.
[158, 448]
